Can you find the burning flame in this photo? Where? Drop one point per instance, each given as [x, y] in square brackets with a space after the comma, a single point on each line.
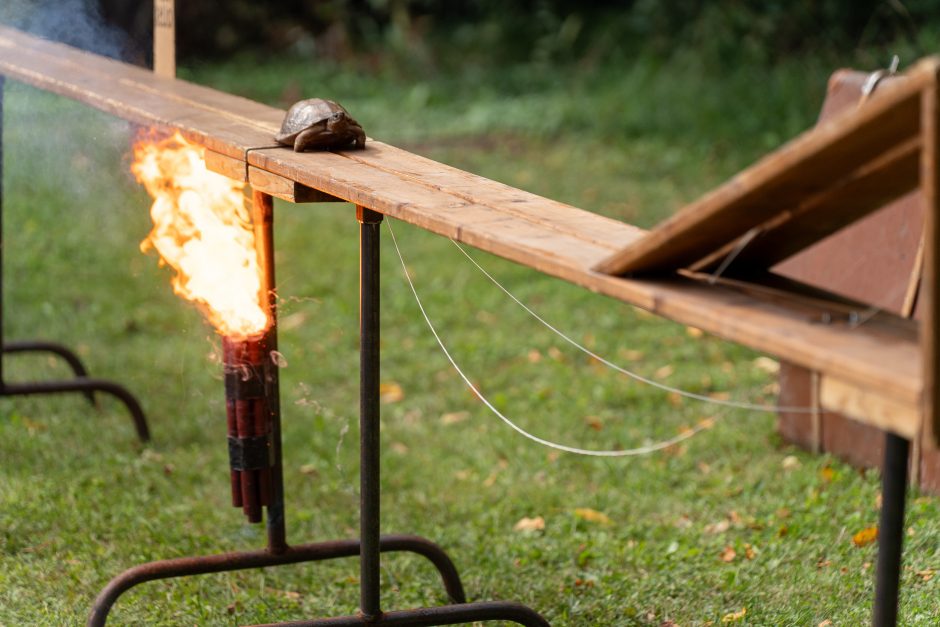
[202, 229]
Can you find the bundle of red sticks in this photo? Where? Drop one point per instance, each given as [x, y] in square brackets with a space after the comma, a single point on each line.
[249, 423]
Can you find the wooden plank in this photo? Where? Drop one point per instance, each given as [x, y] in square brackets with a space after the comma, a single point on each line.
[285, 189]
[801, 168]
[226, 166]
[476, 189]
[878, 355]
[864, 405]
[429, 208]
[164, 38]
[884, 179]
[930, 288]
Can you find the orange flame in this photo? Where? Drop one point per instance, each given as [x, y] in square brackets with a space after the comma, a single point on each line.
[202, 229]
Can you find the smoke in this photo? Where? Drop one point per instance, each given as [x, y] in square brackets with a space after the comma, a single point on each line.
[78, 23]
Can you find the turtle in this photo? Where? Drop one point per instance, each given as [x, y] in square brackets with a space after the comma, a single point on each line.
[319, 123]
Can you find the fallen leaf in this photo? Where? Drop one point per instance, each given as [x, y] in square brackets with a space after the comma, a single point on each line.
[865, 537]
[790, 462]
[926, 574]
[594, 423]
[534, 356]
[694, 332]
[749, 552]
[734, 616]
[706, 423]
[490, 481]
[675, 399]
[719, 527]
[825, 623]
[391, 392]
[556, 354]
[530, 524]
[592, 515]
[663, 372]
[399, 447]
[728, 554]
[720, 396]
[768, 365]
[827, 474]
[452, 418]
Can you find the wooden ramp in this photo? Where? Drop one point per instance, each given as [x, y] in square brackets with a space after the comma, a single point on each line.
[881, 358]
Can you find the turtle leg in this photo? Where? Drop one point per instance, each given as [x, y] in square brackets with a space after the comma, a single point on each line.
[308, 138]
[360, 136]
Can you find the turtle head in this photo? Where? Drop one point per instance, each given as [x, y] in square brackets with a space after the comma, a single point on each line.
[337, 122]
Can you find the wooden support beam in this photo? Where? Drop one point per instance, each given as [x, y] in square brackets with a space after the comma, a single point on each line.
[286, 189]
[930, 289]
[869, 407]
[164, 38]
[226, 165]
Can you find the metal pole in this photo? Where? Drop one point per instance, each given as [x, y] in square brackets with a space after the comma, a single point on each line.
[369, 475]
[2, 81]
[263, 220]
[890, 530]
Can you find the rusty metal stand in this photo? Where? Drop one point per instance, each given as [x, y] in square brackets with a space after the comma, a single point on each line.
[81, 383]
[891, 530]
[370, 544]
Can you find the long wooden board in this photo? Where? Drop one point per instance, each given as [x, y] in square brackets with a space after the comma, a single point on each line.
[833, 155]
[551, 237]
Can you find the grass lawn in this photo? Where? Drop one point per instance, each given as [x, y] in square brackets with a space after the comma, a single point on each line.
[731, 520]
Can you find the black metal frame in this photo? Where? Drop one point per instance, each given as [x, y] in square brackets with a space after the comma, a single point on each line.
[82, 382]
[370, 544]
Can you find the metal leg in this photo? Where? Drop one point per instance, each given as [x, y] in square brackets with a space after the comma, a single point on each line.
[369, 467]
[225, 562]
[78, 368]
[891, 530]
[371, 544]
[81, 383]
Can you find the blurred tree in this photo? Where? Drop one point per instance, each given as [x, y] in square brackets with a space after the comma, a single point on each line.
[530, 30]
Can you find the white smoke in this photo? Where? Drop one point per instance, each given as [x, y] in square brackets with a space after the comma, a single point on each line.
[78, 23]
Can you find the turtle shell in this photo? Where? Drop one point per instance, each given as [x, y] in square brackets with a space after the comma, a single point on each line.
[304, 114]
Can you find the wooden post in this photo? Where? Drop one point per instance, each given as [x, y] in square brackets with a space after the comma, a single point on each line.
[164, 38]
[930, 185]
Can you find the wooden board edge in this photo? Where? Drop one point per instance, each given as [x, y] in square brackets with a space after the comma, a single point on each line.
[286, 189]
[930, 288]
[225, 165]
[869, 407]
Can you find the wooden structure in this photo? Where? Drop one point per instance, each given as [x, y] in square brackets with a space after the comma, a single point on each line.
[882, 372]
[876, 260]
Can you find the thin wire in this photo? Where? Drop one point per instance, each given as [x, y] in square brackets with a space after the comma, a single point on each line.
[738, 249]
[629, 373]
[642, 450]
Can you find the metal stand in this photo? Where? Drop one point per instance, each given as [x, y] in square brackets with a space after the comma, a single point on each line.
[891, 530]
[81, 383]
[371, 544]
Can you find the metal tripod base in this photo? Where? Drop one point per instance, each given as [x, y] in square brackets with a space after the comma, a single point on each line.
[81, 383]
[318, 551]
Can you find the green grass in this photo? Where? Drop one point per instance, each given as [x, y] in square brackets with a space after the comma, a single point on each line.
[80, 500]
